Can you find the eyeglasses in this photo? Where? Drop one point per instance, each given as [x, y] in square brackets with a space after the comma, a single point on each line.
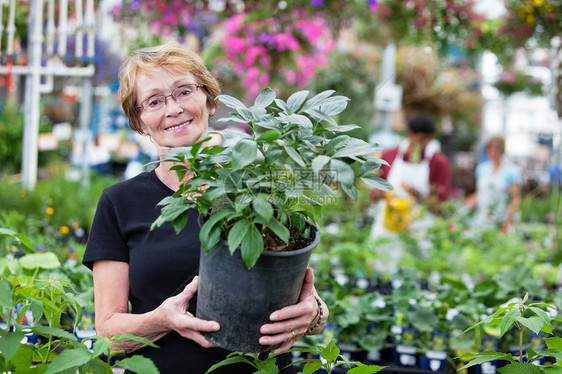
[158, 102]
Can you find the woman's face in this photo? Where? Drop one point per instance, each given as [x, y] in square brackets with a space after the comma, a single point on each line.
[494, 151]
[176, 124]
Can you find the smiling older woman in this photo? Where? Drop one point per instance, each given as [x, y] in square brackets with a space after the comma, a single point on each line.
[168, 94]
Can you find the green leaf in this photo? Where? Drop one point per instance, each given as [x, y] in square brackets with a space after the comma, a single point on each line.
[252, 246]
[179, 223]
[554, 343]
[319, 162]
[312, 367]
[244, 153]
[101, 346]
[135, 338]
[334, 107]
[269, 136]
[263, 208]
[98, 366]
[293, 154]
[344, 128]
[47, 260]
[278, 229]
[330, 353]
[138, 364]
[265, 98]
[10, 342]
[229, 361]
[485, 357]
[14, 234]
[508, 320]
[298, 119]
[344, 172]
[354, 149]
[350, 191]
[282, 105]
[237, 233]
[317, 100]
[295, 101]
[369, 167]
[5, 294]
[533, 323]
[231, 102]
[544, 317]
[23, 359]
[69, 359]
[520, 368]
[377, 182]
[557, 354]
[215, 218]
[53, 331]
[366, 369]
[321, 116]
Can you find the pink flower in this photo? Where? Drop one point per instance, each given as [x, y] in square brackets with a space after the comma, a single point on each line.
[236, 44]
[170, 19]
[290, 77]
[252, 53]
[264, 79]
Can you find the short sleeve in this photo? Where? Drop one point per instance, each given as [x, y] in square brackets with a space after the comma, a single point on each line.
[106, 240]
[514, 175]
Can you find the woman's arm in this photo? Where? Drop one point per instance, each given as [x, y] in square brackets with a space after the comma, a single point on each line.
[514, 201]
[111, 296]
[293, 322]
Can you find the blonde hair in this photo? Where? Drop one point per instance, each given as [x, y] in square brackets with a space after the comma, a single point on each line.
[170, 56]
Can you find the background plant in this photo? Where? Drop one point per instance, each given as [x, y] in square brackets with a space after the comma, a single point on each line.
[283, 51]
[41, 309]
[532, 317]
[328, 358]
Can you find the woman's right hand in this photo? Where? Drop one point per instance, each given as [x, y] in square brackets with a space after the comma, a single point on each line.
[174, 311]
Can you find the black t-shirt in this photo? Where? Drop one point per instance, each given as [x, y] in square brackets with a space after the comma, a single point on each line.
[159, 262]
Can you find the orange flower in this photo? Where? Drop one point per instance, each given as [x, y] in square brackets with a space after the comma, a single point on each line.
[75, 225]
[49, 211]
[64, 230]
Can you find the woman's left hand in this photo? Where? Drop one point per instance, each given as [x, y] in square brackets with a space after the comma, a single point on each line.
[291, 323]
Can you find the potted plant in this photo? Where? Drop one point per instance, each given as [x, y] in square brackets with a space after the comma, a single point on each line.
[259, 199]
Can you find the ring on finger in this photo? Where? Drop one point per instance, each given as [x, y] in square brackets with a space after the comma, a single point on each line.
[293, 333]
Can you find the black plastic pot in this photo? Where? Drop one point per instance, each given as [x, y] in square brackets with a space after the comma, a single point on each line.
[242, 299]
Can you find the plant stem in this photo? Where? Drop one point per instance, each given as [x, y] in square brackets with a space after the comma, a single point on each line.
[521, 345]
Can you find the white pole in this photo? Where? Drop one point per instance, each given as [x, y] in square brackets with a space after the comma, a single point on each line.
[90, 29]
[85, 116]
[1, 25]
[79, 52]
[387, 77]
[11, 28]
[50, 42]
[32, 83]
[63, 27]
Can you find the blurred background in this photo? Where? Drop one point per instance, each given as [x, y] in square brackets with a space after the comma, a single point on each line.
[480, 68]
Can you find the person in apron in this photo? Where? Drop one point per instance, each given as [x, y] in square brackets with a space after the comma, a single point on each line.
[419, 171]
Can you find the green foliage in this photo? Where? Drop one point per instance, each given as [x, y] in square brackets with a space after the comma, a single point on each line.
[57, 213]
[522, 316]
[274, 179]
[517, 81]
[328, 358]
[11, 139]
[38, 299]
